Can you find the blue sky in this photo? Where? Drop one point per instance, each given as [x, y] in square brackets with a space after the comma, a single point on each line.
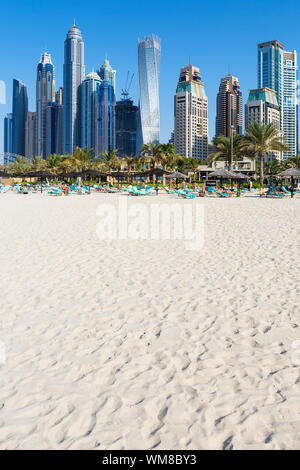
[215, 35]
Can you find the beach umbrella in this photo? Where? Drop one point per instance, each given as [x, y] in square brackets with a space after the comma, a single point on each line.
[156, 172]
[292, 173]
[222, 174]
[241, 176]
[118, 175]
[92, 173]
[42, 174]
[177, 175]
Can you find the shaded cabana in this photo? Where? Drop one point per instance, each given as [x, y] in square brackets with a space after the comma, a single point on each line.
[221, 174]
[41, 174]
[292, 174]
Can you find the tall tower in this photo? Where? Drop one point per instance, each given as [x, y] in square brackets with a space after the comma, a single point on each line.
[19, 116]
[229, 107]
[105, 136]
[290, 105]
[107, 73]
[278, 70]
[263, 107]
[89, 92]
[191, 122]
[270, 67]
[8, 123]
[30, 135]
[149, 51]
[126, 125]
[74, 71]
[45, 93]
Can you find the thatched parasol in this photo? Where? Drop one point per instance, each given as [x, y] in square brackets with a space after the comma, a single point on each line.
[177, 175]
[292, 173]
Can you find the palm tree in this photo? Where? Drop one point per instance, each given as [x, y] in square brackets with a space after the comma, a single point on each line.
[191, 164]
[81, 158]
[152, 152]
[19, 166]
[111, 159]
[263, 139]
[54, 162]
[38, 163]
[227, 148]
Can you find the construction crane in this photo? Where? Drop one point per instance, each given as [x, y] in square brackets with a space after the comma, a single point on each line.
[125, 90]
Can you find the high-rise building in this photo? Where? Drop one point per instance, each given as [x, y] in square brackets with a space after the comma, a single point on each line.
[270, 67]
[229, 107]
[278, 69]
[105, 136]
[89, 92]
[290, 105]
[45, 93]
[126, 125]
[149, 51]
[8, 126]
[19, 116]
[107, 74]
[191, 121]
[74, 72]
[30, 135]
[263, 107]
[54, 113]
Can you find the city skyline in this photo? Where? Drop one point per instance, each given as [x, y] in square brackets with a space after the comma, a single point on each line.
[214, 62]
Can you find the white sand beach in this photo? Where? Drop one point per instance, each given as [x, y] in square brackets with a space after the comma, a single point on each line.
[143, 344]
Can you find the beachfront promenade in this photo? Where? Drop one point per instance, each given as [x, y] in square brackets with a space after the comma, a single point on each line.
[123, 344]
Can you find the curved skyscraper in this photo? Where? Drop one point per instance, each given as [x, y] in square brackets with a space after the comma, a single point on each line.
[149, 50]
[89, 93]
[45, 93]
[74, 71]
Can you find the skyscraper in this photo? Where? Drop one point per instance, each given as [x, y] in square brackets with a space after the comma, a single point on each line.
[229, 107]
[105, 136]
[270, 67]
[149, 51]
[107, 73]
[74, 71]
[263, 107]
[45, 93]
[290, 106]
[278, 69]
[191, 122]
[126, 125]
[19, 116]
[30, 135]
[53, 128]
[8, 125]
[89, 92]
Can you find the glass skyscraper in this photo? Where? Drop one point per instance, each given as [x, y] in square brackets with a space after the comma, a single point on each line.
[45, 93]
[149, 51]
[89, 92]
[19, 116]
[107, 73]
[290, 106]
[74, 72]
[8, 142]
[126, 124]
[277, 70]
[105, 138]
